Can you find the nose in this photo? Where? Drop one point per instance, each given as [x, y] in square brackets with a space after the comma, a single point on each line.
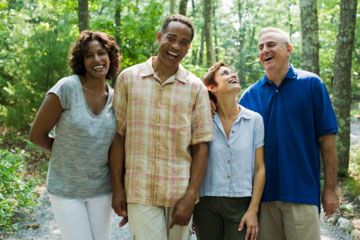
[265, 48]
[175, 45]
[96, 57]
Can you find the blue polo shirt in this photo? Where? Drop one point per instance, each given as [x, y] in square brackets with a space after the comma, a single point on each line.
[295, 115]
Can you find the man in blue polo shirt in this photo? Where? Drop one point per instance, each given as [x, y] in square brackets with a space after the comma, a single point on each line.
[299, 125]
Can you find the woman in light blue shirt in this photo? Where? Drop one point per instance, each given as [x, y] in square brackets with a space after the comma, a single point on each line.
[235, 176]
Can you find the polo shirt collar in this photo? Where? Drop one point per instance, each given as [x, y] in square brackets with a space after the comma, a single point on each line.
[291, 75]
[148, 71]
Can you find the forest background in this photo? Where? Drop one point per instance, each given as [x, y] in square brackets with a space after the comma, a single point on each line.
[36, 36]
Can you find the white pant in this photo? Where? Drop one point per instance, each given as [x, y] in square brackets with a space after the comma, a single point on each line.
[83, 219]
[152, 223]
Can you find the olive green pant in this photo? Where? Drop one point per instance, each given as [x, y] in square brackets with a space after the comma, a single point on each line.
[218, 218]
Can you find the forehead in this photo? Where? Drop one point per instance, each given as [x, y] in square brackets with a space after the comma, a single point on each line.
[270, 37]
[223, 68]
[178, 28]
[94, 45]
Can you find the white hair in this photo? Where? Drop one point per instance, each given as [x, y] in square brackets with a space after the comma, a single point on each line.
[283, 34]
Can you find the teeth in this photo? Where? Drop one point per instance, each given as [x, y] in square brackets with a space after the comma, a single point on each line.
[172, 54]
[99, 67]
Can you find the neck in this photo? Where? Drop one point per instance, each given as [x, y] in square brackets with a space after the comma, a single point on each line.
[278, 76]
[227, 107]
[162, 71]
[94, 84]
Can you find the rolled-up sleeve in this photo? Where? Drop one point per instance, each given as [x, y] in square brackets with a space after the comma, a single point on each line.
[120, 104]
[201, 120]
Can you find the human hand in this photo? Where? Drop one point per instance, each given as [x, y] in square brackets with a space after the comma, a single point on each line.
[182, 212]
[123, 222]
[119, 205]
[330, 201]
[250, 219]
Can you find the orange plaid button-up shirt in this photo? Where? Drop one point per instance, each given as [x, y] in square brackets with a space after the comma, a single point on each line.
[160, 122]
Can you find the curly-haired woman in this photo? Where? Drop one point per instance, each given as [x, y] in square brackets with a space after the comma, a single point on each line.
[80, 109]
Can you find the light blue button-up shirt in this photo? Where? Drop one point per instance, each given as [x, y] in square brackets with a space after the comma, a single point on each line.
[230, 168]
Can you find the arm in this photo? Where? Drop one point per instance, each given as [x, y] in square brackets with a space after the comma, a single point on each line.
[250, 217]
[117, 169]
[330, 198]
[184, 207]
[45, 119]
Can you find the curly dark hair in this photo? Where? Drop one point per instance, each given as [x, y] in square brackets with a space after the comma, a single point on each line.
[178, 18]
[80, 48]
[209, 77]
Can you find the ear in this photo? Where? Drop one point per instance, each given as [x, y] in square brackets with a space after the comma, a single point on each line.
[158, 36]
[212, 88]
[289, 49]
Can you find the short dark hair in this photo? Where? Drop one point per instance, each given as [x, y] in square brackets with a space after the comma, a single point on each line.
[178, 18]
[209, 77]
[80, 48]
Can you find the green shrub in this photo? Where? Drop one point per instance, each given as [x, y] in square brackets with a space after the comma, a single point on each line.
[17, 191]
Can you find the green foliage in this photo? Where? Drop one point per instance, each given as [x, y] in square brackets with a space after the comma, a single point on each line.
[42, 41]
[17, 191]
[140, 23]
[354, 165]
[351, 187]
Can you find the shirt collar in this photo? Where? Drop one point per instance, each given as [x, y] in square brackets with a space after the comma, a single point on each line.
[180, 74]
[291, 75]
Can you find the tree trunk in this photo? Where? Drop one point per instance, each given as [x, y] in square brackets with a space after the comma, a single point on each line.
[83, 14]
[210, 53]
[342, 79]
[216, 49]
[201, 52]
[241, 5]
[310, 36]
[118, 22]
[172, 7]
[183, 7]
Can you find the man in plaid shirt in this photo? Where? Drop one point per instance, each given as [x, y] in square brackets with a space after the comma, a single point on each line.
[163, 128]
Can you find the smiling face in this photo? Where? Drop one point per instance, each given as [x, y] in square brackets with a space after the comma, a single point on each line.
[274, 53]
[96, 60]
[227, 82]
[174, 43]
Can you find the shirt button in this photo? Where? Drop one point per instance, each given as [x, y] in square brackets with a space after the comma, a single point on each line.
[232, 131]
[228, 161]
[228, 176]
[277, 91]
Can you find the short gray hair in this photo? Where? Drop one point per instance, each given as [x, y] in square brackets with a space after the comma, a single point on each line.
[283, 34]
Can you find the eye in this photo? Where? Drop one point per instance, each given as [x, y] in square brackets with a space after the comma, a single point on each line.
[261, 47]
[271, 44]
[171, 39]
[102, 52]
[224, 73]
[184, 43]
